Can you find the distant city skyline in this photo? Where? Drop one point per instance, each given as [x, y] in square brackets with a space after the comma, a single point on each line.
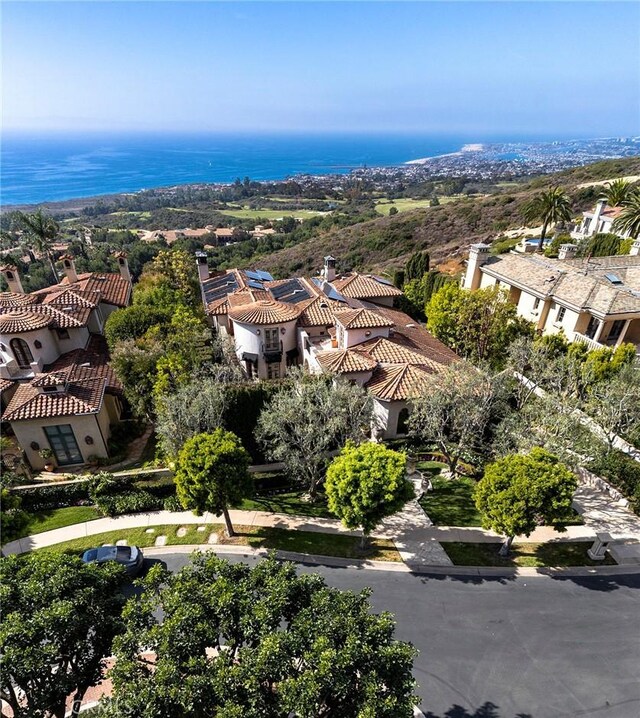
[481, 69]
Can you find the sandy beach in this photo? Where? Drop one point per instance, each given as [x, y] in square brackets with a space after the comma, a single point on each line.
[473, 147]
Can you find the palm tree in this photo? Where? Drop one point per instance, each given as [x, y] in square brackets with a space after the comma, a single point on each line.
[42, 231]
[628, 220]
[615, 193]
[548, 207]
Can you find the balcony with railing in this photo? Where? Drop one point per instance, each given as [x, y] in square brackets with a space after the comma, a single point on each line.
[593, 344]
[272, 352]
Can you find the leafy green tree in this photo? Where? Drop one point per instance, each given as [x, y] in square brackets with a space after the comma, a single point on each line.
[548, 207]
[194, 408]
[133, 322]
[258, 642]
[616, 192]
[603, 245]
[13, 519]
[393, 211]
[42, 231]
[417, 265]
[212, 474]
[520, 492]
[310, 417]
[455, 412]
[479, 325]
[628, 221]
[365, 484]
[58, 622]
[135, 367]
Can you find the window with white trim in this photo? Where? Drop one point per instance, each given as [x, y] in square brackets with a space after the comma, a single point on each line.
[560, 316]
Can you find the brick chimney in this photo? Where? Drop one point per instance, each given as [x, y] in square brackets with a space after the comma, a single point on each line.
[203, 267]
[123, 265]
[567, 251]
[69, 268]
[478, 255]
[10, 273]
[329, 271]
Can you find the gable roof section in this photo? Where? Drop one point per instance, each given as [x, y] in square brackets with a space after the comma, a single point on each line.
[398, 382]
[387, 351]
[361, 319]
[318, 312]
[82, 397]
[364, 286]
[344, 361]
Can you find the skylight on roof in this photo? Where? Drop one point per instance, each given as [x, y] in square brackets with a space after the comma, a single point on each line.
[613, 278]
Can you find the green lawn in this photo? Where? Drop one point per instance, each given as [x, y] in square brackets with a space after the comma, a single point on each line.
[451, 502]
[534, 555]
[57, 518]
[406, 203]
[288, 503]
[246, 213]
[255, 536]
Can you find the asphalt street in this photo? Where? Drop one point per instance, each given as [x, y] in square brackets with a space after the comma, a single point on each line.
[535, 647]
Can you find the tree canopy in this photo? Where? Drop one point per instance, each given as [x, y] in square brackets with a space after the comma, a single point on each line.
[479, 325]
[59, 618]
[365, 484]
[548, 207]
[259, 642]
[520, 492]
[212, 474]
[309, 417]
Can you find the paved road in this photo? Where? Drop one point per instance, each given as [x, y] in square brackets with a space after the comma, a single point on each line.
[499, 648]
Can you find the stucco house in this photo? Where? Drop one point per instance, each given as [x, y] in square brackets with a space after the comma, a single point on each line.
[59, 392]
[599, 221]
[335, 324]
[593, 300]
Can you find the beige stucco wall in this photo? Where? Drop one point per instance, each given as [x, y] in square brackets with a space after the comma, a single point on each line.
[249, 338]
[352, 337]
[86, 425]
[386, 417]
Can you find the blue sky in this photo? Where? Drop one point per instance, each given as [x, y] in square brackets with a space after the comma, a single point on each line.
[545, 68]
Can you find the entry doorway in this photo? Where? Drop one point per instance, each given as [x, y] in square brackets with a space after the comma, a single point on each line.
[63, 444]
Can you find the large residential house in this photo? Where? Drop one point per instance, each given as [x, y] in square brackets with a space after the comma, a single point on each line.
[59, 391]
[337, 324]
[599, 221]
[595, 300]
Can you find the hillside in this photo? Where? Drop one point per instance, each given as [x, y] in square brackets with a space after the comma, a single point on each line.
[445, 231]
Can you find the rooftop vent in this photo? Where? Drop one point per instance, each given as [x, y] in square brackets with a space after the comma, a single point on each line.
[613, 278]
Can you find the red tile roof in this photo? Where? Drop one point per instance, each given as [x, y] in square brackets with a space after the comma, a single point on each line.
[10, 300]
[398, 382]
[264, 312]
[343, 361]
[113, 288]
[19, 321]
[361, 319]
[364, 286]
[82, 397]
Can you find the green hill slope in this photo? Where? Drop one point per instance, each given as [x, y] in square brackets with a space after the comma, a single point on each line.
[445, 231]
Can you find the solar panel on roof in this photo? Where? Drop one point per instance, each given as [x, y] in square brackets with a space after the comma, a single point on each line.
[255, 285]
[613, 278]
[329, 290]
[382, 280]
[259, 275]
[285, 288]
[297, 296]
[218, 287]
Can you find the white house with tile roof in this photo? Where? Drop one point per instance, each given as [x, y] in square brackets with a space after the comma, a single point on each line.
[599, 221]
[339, 325]
[593, 300]
[62, 393]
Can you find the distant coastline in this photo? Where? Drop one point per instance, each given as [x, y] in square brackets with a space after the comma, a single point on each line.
[470, 147]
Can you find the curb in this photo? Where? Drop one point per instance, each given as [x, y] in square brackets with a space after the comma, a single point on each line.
[398, 567]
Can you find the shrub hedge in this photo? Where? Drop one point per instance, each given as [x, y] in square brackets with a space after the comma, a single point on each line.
[54, 496]
[621, 471]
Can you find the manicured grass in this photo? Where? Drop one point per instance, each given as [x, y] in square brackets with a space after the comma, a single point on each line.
[405, 203]
[290, 503]
[256, 536]
[451, 502]
[430, 467]
[58, 518]
[534, 555]
[246, 213]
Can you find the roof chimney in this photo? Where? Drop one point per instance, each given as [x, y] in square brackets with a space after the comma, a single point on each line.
[203, 267]
[10, 273]
[329, 271]
[635, 248]
[69, 267]
[123, 266]
[567, 251]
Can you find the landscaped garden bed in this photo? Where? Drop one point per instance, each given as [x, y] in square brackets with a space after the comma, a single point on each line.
[534, 555]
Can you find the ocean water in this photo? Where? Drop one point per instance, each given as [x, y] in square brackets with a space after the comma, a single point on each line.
[39, 168]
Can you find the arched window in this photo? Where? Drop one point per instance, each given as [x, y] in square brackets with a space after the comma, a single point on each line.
[403, 418]
[22, 353]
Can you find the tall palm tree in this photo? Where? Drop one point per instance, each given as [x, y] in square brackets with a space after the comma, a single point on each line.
[548, 207]
[615, 193]
[42, 230]
[629, 219]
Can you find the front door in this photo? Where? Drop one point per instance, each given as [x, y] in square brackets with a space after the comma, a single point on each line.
[63, 444]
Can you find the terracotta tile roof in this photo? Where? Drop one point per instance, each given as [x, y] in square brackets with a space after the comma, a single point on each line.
[218, 306]
[364, 286]
[5, 384]
[361, 319]
[247, 296]
[318, 312]
[56, 378]
[398, 382]
[19, 321]
[113, 288]
[71, 298]
[387, 351]
[10, 300]
[264, 312]
[412, 334]
[341, 361]
[88, 363]
[82, 397]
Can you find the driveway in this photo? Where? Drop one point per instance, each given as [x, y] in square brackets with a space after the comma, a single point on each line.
[537, 647]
